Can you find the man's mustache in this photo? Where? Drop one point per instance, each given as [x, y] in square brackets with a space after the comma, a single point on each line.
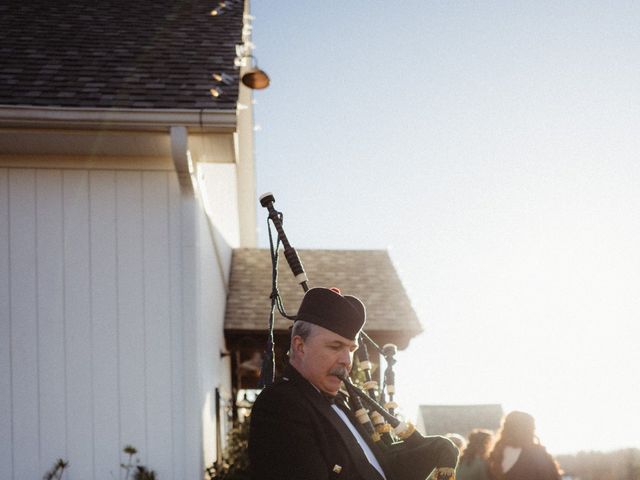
[339, 372]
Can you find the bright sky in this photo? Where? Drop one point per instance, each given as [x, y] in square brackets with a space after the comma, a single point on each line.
[493, 148]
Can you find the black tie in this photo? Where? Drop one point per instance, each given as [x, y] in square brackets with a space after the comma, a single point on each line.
[329, 398]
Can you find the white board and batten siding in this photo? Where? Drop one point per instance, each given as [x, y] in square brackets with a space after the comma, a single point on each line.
[111, 311]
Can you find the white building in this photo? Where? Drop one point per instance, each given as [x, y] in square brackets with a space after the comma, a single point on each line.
[113, 136]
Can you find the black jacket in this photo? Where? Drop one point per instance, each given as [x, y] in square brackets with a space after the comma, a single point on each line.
[296, 434]
[534, 463]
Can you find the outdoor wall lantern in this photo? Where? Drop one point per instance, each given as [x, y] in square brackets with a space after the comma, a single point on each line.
[255, 78]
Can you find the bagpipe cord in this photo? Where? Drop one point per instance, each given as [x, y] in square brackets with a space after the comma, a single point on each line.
[267, 373]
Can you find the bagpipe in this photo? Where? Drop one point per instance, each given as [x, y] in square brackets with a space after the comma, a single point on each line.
[412, 455]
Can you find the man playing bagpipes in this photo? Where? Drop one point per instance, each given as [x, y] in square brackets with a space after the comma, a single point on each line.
[303, 427]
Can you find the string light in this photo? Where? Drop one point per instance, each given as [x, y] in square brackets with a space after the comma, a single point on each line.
[223, 78]
[218, 10]
[222, 5]
[253, 77]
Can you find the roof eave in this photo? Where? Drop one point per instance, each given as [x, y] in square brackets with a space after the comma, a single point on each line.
[400, 338]
[12, 116]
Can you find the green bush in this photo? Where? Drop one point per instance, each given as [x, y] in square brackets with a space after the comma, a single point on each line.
[235, 465]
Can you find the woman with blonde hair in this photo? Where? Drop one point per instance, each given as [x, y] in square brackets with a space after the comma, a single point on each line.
[518, 454]
[473, 461]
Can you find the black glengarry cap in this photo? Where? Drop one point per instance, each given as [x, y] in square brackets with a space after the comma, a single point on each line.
[328, 308]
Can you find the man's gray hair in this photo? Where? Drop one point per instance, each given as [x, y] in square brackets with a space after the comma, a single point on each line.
[302, 329]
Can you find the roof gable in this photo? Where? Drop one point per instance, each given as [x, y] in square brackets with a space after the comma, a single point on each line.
[118, 54]
[366, 274]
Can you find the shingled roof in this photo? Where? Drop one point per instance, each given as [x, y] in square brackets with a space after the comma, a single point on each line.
[158, 54]
[367, 274]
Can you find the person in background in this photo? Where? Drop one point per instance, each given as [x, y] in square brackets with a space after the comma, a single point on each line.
[473, 463]
[518, 454]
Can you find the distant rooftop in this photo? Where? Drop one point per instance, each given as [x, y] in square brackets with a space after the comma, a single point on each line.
[143, 54]
[366, 274]
[443, 419]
